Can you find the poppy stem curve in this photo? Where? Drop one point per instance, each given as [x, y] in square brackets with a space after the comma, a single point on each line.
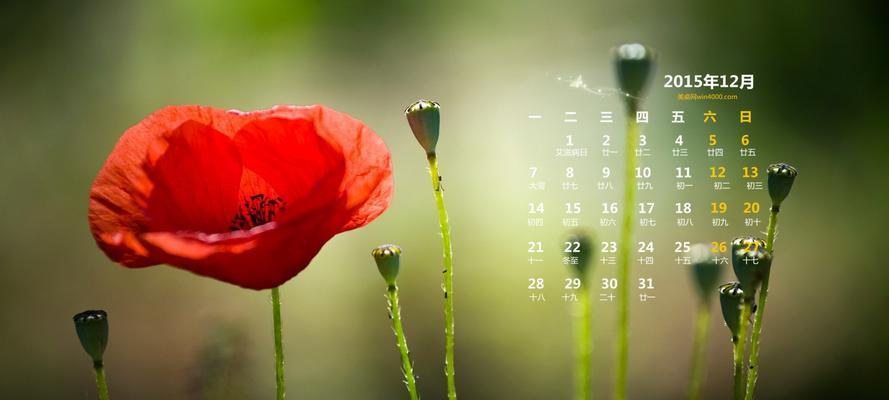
[279, 345]
[101, 382]
[447, 272]
[407, 366]
[760, 310]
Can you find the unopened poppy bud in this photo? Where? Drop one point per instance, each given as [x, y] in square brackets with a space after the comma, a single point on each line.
[633, 62]
[424, 118]
[704, 270]
[751, 262]
[388, 258]
[731, 296]
[579, 244]
[781, 178]
[92, 329]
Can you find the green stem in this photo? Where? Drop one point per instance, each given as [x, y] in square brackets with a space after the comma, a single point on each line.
[741, 345]
[737, 365]
[623, 311]
[583, 345]
[702, 328]
[407, 367]
[448, 272]
[279, 345]
[761, 308]
[101, 382]
[770, 232]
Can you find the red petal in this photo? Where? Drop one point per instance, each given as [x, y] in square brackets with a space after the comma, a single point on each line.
[302, 167]
[366, 188]
[196, 181]
[262, 258]
[119, 195]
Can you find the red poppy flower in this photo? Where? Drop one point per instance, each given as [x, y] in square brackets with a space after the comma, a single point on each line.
[248, 198]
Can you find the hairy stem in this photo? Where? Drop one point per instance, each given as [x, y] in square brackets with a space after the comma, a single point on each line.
[623, 311]
[761, 308]
[279, 345]
[448, 272]
[101, 382]
[698, 360]
[407, 367]
[583, 349]
[741, 345]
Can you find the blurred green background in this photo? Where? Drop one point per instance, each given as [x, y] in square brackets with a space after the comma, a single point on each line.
[74, 75]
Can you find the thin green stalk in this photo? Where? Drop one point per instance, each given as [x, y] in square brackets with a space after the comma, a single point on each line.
[761, 308]
[583, 355]
[407, 367]
[448, 273]
[773, 225]
[740, 349]
[101, 382]
[702, 330]
[623, 311]
[279, 345]
[737, 365]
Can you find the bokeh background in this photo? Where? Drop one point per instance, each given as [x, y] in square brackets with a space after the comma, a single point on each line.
[74, 75]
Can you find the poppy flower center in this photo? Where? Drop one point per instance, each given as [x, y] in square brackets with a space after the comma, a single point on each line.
[257, 210]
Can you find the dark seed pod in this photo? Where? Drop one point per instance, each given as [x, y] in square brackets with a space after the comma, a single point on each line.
[731, 297]
[704, 271]
[633, 63]
[579, 243]
[751, 262]
[92, 330]
[388, 259]
[424, 119]
[781, 178]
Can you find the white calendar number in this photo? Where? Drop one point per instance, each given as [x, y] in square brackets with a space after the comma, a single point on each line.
[572, 208]
[682, 247]
[572, 283]
[683, 172]
[572, 247]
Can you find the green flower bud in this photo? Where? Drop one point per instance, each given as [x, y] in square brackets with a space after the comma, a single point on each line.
[781, 178]
[731, 297]
[423, 116]
[704, 270]
[579, 243]
[388, 258]
[751, 262]
[92, 329]
[633, 62]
